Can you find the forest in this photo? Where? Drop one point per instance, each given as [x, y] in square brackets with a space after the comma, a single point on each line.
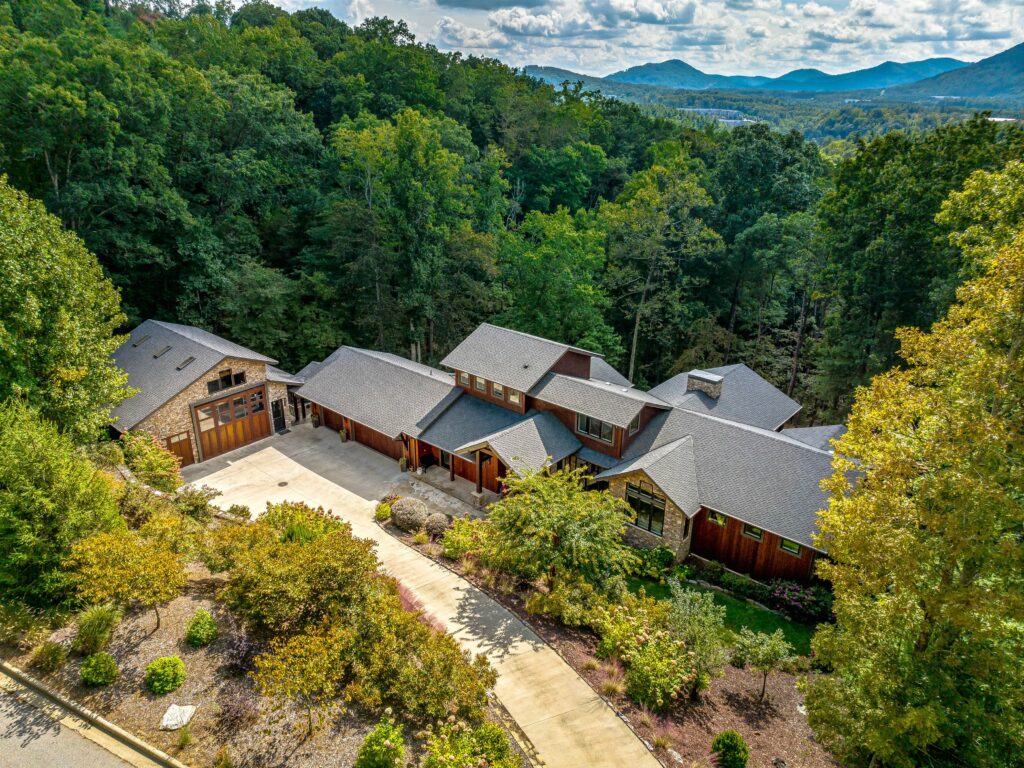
[295, 183]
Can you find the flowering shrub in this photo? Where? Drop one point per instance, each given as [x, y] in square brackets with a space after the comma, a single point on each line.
[383, 746]
[456, 745]
[622, 627]
[659, 671]
[808, 604]
[743, 586]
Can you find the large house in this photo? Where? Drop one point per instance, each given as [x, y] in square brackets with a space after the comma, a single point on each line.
[703, 459]
[199, 394]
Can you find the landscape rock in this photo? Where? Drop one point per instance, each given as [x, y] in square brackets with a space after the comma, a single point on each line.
[177, 717]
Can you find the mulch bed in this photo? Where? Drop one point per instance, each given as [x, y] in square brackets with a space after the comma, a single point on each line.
[774, 729]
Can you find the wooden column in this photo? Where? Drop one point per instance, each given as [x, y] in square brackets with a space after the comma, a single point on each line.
[451, 467]
[479, 471]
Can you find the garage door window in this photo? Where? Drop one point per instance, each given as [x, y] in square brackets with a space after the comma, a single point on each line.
[256, 402]
[206, 418]
[224, 413]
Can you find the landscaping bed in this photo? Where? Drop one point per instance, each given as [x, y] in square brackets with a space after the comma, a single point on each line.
[774, 729]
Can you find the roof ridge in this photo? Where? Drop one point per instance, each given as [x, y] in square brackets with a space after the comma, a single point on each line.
[541, 338]
[432, 373]
[756, 430]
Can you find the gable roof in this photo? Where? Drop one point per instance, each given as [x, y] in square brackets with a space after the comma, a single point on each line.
[745, 397]
[818, 437]
[612, 403]
[154, 357]
[601, 370]
[283, 377]
[531, 444]
[761, 477]
[512, 358]
[382, 391]
[671, 467]
[467, 420]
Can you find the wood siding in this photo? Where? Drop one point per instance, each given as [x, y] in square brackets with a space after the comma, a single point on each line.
[647, 413]
[573, 364]
[360, 433]
[230, 422]
[568, 418]
[489, 396]
[764, 560]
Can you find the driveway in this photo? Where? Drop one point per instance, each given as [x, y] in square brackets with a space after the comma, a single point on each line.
[569, 725]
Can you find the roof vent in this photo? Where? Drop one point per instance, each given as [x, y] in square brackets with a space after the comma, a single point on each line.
[141, 340]
[163, 351]
[185, 363]
[703, 381]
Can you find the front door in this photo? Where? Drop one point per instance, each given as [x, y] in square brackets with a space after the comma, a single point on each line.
[277, 408]
[233, 421]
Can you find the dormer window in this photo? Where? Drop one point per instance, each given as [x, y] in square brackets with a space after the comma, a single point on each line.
[601, 430]
[463, 378]
[497, 390]
[634, 425]
[481, 384]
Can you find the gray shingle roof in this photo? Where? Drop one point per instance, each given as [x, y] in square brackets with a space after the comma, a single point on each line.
[283, 377]
[467, 420]
[596, 458]
[308, 370]
[153, 356]
[761, 477]
[379, 390]
[531, 444]
[512, 358]
[672, 469]
[819, 437]
[745, 397]
[600, 370]
[612, 403]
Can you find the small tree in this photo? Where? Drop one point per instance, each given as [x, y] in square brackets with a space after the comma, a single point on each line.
[123, 567]
[307, 669]
[153, 464]
[763, 653]
[548, 525]
[698, 621]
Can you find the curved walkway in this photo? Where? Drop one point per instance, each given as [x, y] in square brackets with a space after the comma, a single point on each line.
[569, 725]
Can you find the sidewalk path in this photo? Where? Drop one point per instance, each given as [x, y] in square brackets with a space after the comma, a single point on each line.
[569, 725]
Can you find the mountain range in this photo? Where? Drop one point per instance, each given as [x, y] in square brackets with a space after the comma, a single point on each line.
[997, 77]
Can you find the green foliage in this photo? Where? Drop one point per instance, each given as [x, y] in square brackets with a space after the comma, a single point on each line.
[94, 628]
[223, 759]
[383, 747]
[58, 312]
[653, 563]
[50, 497]
[743, 586]
[620, 625]
[730, 750]
[48, 656]
[547, 525]
[184, 737]
[698, 621]
[572, 601]
[458, 744]
[164, 675]
[196, 502]
[762, 652]
[151, 463]
[382, 512]
[466, 536]
[99, 669]
[201, 629]
[658, 671]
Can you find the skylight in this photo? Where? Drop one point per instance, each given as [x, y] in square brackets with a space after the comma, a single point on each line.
[142, 340]
[185, 363]
[161, 352]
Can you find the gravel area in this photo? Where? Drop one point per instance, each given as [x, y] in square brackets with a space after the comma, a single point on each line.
[775, 729]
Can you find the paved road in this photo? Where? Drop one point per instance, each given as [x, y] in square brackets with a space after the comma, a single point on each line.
[30, 738]
[569, 725]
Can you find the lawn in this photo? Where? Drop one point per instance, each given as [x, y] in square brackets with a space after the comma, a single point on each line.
[739, 614]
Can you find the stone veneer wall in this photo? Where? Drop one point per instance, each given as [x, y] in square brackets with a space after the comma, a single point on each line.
[175, 416]
[674, 519]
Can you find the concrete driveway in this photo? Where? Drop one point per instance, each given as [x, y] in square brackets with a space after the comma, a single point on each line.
[569, 725]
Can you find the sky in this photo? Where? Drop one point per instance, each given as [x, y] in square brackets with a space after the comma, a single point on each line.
[764, 37]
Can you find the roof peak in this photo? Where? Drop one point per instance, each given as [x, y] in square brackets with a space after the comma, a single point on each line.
[573, 347]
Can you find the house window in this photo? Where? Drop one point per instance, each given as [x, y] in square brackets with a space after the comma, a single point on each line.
[686, 526]
[497, 390]
[223, 413]
[481, 384]
[602, 430]
[753, 532]
[226, 380]
[634, 425]
[240, 411]
[514, 397]
[463, 378]
[446, 460]
[790, 546]
[649, 507]
[717, 518]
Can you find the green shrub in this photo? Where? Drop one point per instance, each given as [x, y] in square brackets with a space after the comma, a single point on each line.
[99, 669]
[456, 744]
[619, 626]
[421, 537]
[48, 656]
[383, 746]
[730, 750]
[466, 536]
[95, 626]
[184, 736]
[382, 512]
[201, 629]
[196, 502]
[571, 601]
[653, 563]
[295, 515]
[658, 671]
[164, 675]
[240, 511]
[153, 464]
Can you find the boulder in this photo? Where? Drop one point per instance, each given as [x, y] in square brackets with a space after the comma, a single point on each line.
[177, 717]
[409, 514]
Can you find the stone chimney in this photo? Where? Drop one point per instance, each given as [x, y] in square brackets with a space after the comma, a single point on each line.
[702, 381]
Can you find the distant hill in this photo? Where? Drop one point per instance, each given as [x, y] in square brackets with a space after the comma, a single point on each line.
[678, 74]
[997, 77]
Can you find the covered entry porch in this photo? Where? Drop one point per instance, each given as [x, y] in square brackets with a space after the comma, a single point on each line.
[480, 469]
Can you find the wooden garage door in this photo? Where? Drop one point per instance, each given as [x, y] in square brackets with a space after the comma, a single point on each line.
[377, 440]
[233, 421]
[181, 446]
